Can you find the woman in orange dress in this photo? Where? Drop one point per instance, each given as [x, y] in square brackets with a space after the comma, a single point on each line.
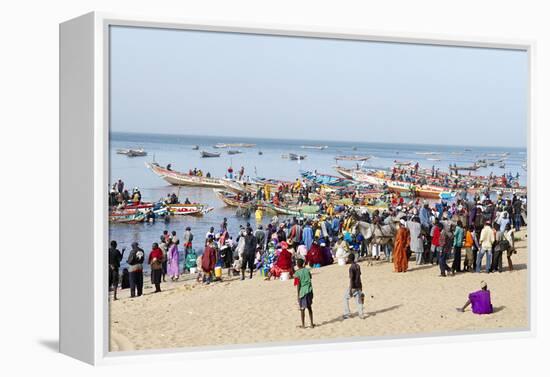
[402, 241]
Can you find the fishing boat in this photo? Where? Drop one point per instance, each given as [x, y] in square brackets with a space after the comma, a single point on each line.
[136, 153]
[234, 145]
[344, 172]
[433, 159]
[260, 153]
[298, 211]
[188, 209]
[402, 163]
[181, 179]
[126, 217]
[379, 178]
[352, 158]
[320, 147]
[122, 151]
[455, 168]
[232, 199]
[205, 154]
[325, 179]
[294, 156]
[238, 187]
[233, 151]
[195, 147]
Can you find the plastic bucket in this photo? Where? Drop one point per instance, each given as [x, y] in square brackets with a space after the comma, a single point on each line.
[193, 270]
[218, 272]
[341, 261]
[284, 276]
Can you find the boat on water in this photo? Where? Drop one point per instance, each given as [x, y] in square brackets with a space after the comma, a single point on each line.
[344, 172]
[137, 152]
[260, 153]
[352, 158]
[319, 147]
[182, 179]
[433, 159]
[232, 199]
[402, 163]
[298, 211]
[194, 209]
[233, 151]
[126, 217]
[234, 145]
[195, 147]
[206, 154]
[239, 187]
[325, 179]
[427, 153]
[294, 156]
[456, 168]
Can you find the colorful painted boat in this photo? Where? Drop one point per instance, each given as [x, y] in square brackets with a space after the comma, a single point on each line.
[233, 200]
[181, 179]
[188, 209]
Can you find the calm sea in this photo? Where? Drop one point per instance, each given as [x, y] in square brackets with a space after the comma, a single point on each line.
[177, 150]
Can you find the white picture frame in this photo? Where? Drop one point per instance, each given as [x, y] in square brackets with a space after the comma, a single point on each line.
[84, 140]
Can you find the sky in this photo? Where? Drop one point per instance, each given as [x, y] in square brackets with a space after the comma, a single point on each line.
[230, 84]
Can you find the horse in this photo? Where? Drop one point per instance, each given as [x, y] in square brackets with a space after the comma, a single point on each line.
[376, 235]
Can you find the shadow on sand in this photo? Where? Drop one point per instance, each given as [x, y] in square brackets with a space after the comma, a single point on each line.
[368, 314]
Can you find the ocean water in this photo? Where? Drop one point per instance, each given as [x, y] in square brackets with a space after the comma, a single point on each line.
[177, 150]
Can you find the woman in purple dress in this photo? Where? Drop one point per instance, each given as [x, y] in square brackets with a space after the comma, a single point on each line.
[173, 261]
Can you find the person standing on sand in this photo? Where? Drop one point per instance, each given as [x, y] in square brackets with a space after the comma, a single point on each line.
[208, 260]
[445, 240]
[458, 239]
[249, 253]
[155, 261]
[187, 245]
[417, 239]
[486, 239]
[173, 261]
[302, 281]
[355, 288]
[402, 241]
[135, 261]
[164, 245]
[115, 257]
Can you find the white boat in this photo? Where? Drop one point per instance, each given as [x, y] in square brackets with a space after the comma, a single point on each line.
[205, 154]
[427, 153]
[352, 158]
[136, 153]
[320, 147]
[234, 145]
[182, 179]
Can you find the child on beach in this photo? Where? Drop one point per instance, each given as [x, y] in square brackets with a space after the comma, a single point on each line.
[355, 288]
[302, 281]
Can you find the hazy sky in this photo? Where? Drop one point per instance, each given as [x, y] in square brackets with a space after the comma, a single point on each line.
[205, 83]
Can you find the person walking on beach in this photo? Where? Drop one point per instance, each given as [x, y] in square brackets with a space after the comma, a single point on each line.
[164, 245]
[458, 239]
[155, 261]
[115, 257]
[249, 253]
[402, 242]
[445, 241]
[135, 261]
[487, 238]
[509, 236]
[302, 281]
[355, 288]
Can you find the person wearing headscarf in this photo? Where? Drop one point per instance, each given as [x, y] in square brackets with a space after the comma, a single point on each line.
[208, 260]
[402, 242]
[417, 242]
[173, 261]
[314, 257]
[155, 261]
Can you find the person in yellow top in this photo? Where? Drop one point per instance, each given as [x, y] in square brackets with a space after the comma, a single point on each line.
[330, 210]
[468, 244]
[267, 192]
[297, 185]
[486, 239]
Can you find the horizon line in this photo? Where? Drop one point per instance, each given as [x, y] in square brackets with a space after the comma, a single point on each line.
[315, 140]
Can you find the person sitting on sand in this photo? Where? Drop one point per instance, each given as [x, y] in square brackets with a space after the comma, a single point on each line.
[283, 263]
[480, 301]
[302, 281]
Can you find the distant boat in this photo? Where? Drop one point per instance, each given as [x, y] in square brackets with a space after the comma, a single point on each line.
[295, 157]
[195, 147]
[467, 150]
[234, 145]
[320, 147]
[205, 154]
[232, 151]
[352, 158]
[354, 148]
[132, 152]
[260, 153]
[402, 163]
[427, 153]
[433, 159]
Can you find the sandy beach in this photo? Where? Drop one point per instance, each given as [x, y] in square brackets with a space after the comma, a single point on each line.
[188, 314]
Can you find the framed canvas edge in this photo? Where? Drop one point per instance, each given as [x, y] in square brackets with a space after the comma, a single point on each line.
[102, 23]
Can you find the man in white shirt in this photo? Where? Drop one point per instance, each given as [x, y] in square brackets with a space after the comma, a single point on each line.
[486, 239]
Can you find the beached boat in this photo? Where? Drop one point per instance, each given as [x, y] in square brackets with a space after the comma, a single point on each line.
[325, 179]
[320, 147]
[352, 158]
[379, 178]
[206, 154]
[181, 179]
